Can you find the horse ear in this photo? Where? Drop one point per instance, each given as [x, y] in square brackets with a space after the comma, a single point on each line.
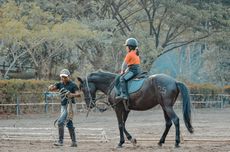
[79, 79]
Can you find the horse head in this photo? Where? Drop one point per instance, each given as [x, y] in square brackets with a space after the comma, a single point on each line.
[89, 90]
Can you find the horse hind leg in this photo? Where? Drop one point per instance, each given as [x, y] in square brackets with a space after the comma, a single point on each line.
[168, 124]
[172, 115]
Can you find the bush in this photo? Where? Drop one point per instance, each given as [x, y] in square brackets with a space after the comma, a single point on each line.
[227, 89]
[23, 91]
[11, 88]
[204, 89]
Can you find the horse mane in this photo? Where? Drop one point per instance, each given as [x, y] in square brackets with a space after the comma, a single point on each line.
[106, 75]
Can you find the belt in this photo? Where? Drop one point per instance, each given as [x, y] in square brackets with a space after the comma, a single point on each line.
[134, 66]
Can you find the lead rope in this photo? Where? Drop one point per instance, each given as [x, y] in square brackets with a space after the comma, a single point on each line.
[63, 93]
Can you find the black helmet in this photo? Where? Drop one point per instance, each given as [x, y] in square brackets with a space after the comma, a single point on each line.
[131, 42]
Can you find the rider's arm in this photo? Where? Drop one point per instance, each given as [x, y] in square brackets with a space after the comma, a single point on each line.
[123, 67]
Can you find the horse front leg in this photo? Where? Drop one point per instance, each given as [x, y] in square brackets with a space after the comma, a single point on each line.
[122, 139]
[128, 135]
[121, 128]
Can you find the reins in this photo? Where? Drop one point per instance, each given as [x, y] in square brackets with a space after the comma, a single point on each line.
[93, 101]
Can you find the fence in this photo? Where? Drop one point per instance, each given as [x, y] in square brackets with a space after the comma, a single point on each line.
[210, 100]
[50, 103]
[47, 102]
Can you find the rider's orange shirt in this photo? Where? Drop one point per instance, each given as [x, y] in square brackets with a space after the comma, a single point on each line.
[132, 58]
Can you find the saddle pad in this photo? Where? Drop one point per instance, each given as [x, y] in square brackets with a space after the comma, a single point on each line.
[134, 85]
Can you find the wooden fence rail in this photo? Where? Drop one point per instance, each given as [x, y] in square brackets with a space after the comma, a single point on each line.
[51, 101]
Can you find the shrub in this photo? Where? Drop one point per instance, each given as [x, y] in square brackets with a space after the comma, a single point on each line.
[227, 89]
[204, 89]
[11, 88]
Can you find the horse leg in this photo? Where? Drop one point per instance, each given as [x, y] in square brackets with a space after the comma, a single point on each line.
[129, 137]
[168, 124]
[119, 114]
[172, 115]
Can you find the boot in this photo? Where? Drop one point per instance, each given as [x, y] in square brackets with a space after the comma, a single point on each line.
[123, 95]
[117, 90]
[73, 137]
[61, 136]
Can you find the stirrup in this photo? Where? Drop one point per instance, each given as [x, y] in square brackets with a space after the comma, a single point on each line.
[121, 97]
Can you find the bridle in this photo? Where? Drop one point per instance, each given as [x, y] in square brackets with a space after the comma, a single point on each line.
[92, 101]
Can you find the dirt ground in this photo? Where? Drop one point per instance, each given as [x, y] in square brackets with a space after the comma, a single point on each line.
[211, 126]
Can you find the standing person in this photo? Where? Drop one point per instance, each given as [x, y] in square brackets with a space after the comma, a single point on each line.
[130, 66]
[71, 91]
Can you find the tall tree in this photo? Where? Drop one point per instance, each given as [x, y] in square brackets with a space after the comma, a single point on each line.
[43, 37]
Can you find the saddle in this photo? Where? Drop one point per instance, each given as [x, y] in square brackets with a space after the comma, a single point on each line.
[135, 83]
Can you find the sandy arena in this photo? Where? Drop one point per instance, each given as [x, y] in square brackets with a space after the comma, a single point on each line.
[212, 132]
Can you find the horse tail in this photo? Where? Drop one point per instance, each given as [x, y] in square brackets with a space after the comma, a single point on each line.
[186, 105]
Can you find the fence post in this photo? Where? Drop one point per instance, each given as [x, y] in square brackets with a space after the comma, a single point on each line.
[222, 101]
[17, 106]
[52, 101]
[46, 102]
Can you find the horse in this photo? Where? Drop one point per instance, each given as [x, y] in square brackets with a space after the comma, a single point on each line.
[156, 89]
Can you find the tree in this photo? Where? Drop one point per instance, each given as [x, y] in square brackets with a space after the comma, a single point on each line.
[11, 33]
[89, 34]
[44, 38]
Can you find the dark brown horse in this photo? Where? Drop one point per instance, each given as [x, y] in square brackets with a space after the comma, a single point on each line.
[157, 89]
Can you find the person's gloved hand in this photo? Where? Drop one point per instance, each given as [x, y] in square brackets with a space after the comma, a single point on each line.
[64, 92]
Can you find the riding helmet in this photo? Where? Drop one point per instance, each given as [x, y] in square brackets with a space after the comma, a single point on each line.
[131, 42]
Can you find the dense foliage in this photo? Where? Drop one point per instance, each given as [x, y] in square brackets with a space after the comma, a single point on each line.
[87, 35]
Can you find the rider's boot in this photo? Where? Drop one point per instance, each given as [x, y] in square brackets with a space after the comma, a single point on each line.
[73, 137]
[61, 136]
[123, 95]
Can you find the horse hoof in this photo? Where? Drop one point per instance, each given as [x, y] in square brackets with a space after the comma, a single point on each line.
[159, 144]
[133, 141]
